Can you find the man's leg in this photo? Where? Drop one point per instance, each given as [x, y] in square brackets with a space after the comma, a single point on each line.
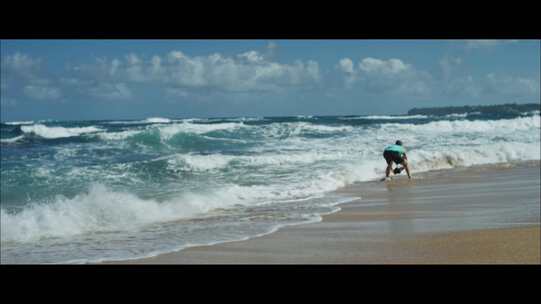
[389, 167]
[406, 165]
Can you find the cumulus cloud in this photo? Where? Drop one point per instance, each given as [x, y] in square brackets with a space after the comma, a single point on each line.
[346, 65]
[22, 74]
[394, 76]
[251, 57]
[20, 64]
[384, 76]
[383, 67]
[248, 71]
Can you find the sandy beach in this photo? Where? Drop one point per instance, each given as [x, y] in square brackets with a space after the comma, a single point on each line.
[483, 214]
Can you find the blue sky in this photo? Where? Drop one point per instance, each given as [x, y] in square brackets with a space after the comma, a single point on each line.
[131, 79]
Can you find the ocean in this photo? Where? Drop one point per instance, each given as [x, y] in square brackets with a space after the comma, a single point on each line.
[91, 191]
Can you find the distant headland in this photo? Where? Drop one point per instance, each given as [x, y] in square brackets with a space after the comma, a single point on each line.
[509, 108]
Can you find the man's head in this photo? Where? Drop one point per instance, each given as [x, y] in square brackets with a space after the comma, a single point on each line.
[398, 142]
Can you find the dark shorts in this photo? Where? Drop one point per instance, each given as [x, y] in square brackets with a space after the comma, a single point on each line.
[393, 156]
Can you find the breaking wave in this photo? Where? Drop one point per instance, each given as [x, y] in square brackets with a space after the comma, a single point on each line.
[385, 117]
[16, 123]
[503, 125]
[11, 140]
[113, 179]
[157, 120]
[58, 132]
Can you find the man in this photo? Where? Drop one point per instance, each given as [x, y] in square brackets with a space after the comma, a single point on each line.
[396, 153]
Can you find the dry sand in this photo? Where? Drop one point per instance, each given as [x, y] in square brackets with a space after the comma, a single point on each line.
[485, 214]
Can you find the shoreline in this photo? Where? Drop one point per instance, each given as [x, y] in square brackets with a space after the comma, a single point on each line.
[460, 215]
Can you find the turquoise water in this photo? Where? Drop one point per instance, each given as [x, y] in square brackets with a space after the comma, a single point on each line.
[81, 191]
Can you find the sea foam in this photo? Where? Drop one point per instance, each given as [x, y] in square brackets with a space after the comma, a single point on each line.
[15, 123]
[58, 132]
[11, 140]
[502, 125]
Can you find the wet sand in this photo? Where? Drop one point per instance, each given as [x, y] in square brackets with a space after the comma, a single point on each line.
[484, 214]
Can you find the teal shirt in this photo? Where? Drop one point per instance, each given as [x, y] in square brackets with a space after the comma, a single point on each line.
[396, 148]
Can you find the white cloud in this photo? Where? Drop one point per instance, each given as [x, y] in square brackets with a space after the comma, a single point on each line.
[133, 69]
[42, 92]
[21, 64]
[248, 71]
[486, 43]
[346, 65]
[380, 76]
[384, 67]
[25, 76]
[251, 57]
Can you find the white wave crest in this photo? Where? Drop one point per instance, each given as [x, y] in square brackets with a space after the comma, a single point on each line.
[288, 159]
[169, 131]
[12, 140]
[193, 162]
[101, 209]
[157, 120]
[150, 120]
[455, 115]
[385, 117]
[244, 119]
[300, 128]
[118, 135]
[57, 132]
[425, 160]
[124, 122]
[534, 112]
[502, 125]
[325, 129]
[20, 122]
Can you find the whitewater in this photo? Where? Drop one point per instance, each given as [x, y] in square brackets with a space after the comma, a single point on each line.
[89, 191]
